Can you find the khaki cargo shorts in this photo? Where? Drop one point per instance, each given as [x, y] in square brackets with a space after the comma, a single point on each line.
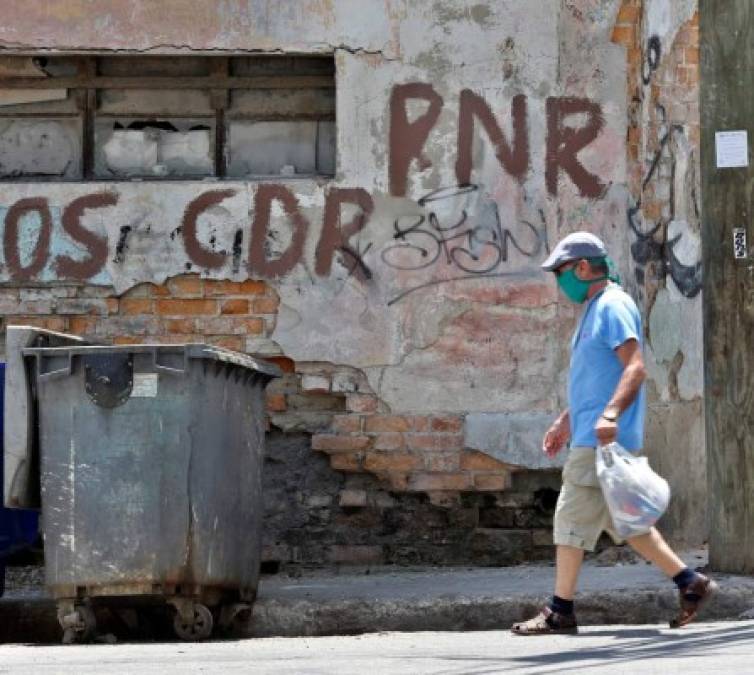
[581, 514]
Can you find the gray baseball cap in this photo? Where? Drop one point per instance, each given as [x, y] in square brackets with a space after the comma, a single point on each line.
[575, 246]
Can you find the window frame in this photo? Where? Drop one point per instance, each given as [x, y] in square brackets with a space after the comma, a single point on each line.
[219, 81]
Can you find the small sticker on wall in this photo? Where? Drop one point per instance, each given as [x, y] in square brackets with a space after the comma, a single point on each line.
[145, 385]
[731, 149]
[739, 243]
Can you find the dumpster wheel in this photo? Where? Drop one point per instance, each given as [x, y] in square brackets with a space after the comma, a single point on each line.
[193, 624]
[79, 625]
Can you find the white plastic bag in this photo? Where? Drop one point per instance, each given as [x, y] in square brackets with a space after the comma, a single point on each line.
[636, 496]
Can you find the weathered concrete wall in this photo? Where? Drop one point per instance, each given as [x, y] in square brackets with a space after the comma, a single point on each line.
[429, 97]
[470, 136]
[662, 41]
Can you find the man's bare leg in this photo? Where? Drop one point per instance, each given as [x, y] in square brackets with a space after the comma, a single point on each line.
[568, 561]
[653, 547]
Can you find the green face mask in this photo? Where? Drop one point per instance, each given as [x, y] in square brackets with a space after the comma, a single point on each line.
[575, 289]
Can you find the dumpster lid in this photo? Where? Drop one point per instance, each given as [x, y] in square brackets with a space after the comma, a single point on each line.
[191, 351]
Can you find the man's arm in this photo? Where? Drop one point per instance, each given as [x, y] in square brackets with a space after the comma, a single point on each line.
[634, 373]
[557, 435]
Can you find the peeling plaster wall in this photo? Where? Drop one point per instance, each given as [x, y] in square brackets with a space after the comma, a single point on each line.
[665, 243]
[430, 289]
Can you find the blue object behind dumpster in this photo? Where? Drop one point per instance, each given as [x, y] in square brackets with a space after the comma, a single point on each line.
[18, 528]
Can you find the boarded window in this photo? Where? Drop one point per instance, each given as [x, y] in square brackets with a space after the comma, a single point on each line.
[163, 117]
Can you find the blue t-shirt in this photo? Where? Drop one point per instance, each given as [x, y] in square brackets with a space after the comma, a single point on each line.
[610, 318]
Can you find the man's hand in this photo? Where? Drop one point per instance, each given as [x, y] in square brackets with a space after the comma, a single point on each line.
[557, 436]
[606, 431]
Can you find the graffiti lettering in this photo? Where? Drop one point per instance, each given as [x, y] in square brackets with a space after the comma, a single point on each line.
[21, 208]
[470, 249]
[197, 253]
[654, 54]
[407, 139]
[259, 262]
[647, 249]
[336, 236]
[513, 157]
[68, 268]
[565, 142]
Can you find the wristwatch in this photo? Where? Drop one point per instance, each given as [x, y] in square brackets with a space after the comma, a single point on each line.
[611, 414]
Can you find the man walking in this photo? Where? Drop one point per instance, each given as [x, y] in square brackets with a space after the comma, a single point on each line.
[606, 402]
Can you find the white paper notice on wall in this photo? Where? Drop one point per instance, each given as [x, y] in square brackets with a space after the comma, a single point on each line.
[731, 149]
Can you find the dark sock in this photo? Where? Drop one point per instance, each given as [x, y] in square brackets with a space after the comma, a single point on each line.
[684, 579]
[561, 606]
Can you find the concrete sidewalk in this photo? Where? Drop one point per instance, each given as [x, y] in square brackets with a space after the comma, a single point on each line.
[400, 599]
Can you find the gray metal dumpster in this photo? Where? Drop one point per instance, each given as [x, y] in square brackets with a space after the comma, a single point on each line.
[150, 463]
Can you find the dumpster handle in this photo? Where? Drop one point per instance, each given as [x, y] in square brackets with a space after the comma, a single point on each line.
[167, 369]
[52, 374]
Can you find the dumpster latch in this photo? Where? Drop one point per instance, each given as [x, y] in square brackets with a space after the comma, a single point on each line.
[109, 378]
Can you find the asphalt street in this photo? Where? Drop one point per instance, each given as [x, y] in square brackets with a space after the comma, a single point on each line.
[724, 647]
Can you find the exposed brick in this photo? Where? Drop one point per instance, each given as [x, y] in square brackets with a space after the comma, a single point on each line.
[250, 287]
[353, 498]
[398, 481]
[159, 291]
[276, 402]
[136, 306]
[492, 481]
[423, 423]
[227, 342]
[348, 462]
[379, 462]
[346, 423]
[179, 326]
[356, 555]
[236, 306]
[48, 322]
[542, 537]
[283, 362]
[442, 461]
[344, 383]
[186, 286]
[334, 443]
[440, 481]
[691, 55]
[448, 424]
[266, 305]
[214, 287]
[389, 441]
[140, 291]
[193, 307]
[127, 340]
[434, 442]
[249, 326]
[93, 306]
[377, 423]
[175, 339]
[82, 325]
[46, 293]
[628, 13]
[471, 460]
[316, 401]
[364, 403]
[624, 35]
[315, 383]
[219, 325]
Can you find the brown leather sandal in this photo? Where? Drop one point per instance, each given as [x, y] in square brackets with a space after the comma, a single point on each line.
[693, 597]
[547, 622]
